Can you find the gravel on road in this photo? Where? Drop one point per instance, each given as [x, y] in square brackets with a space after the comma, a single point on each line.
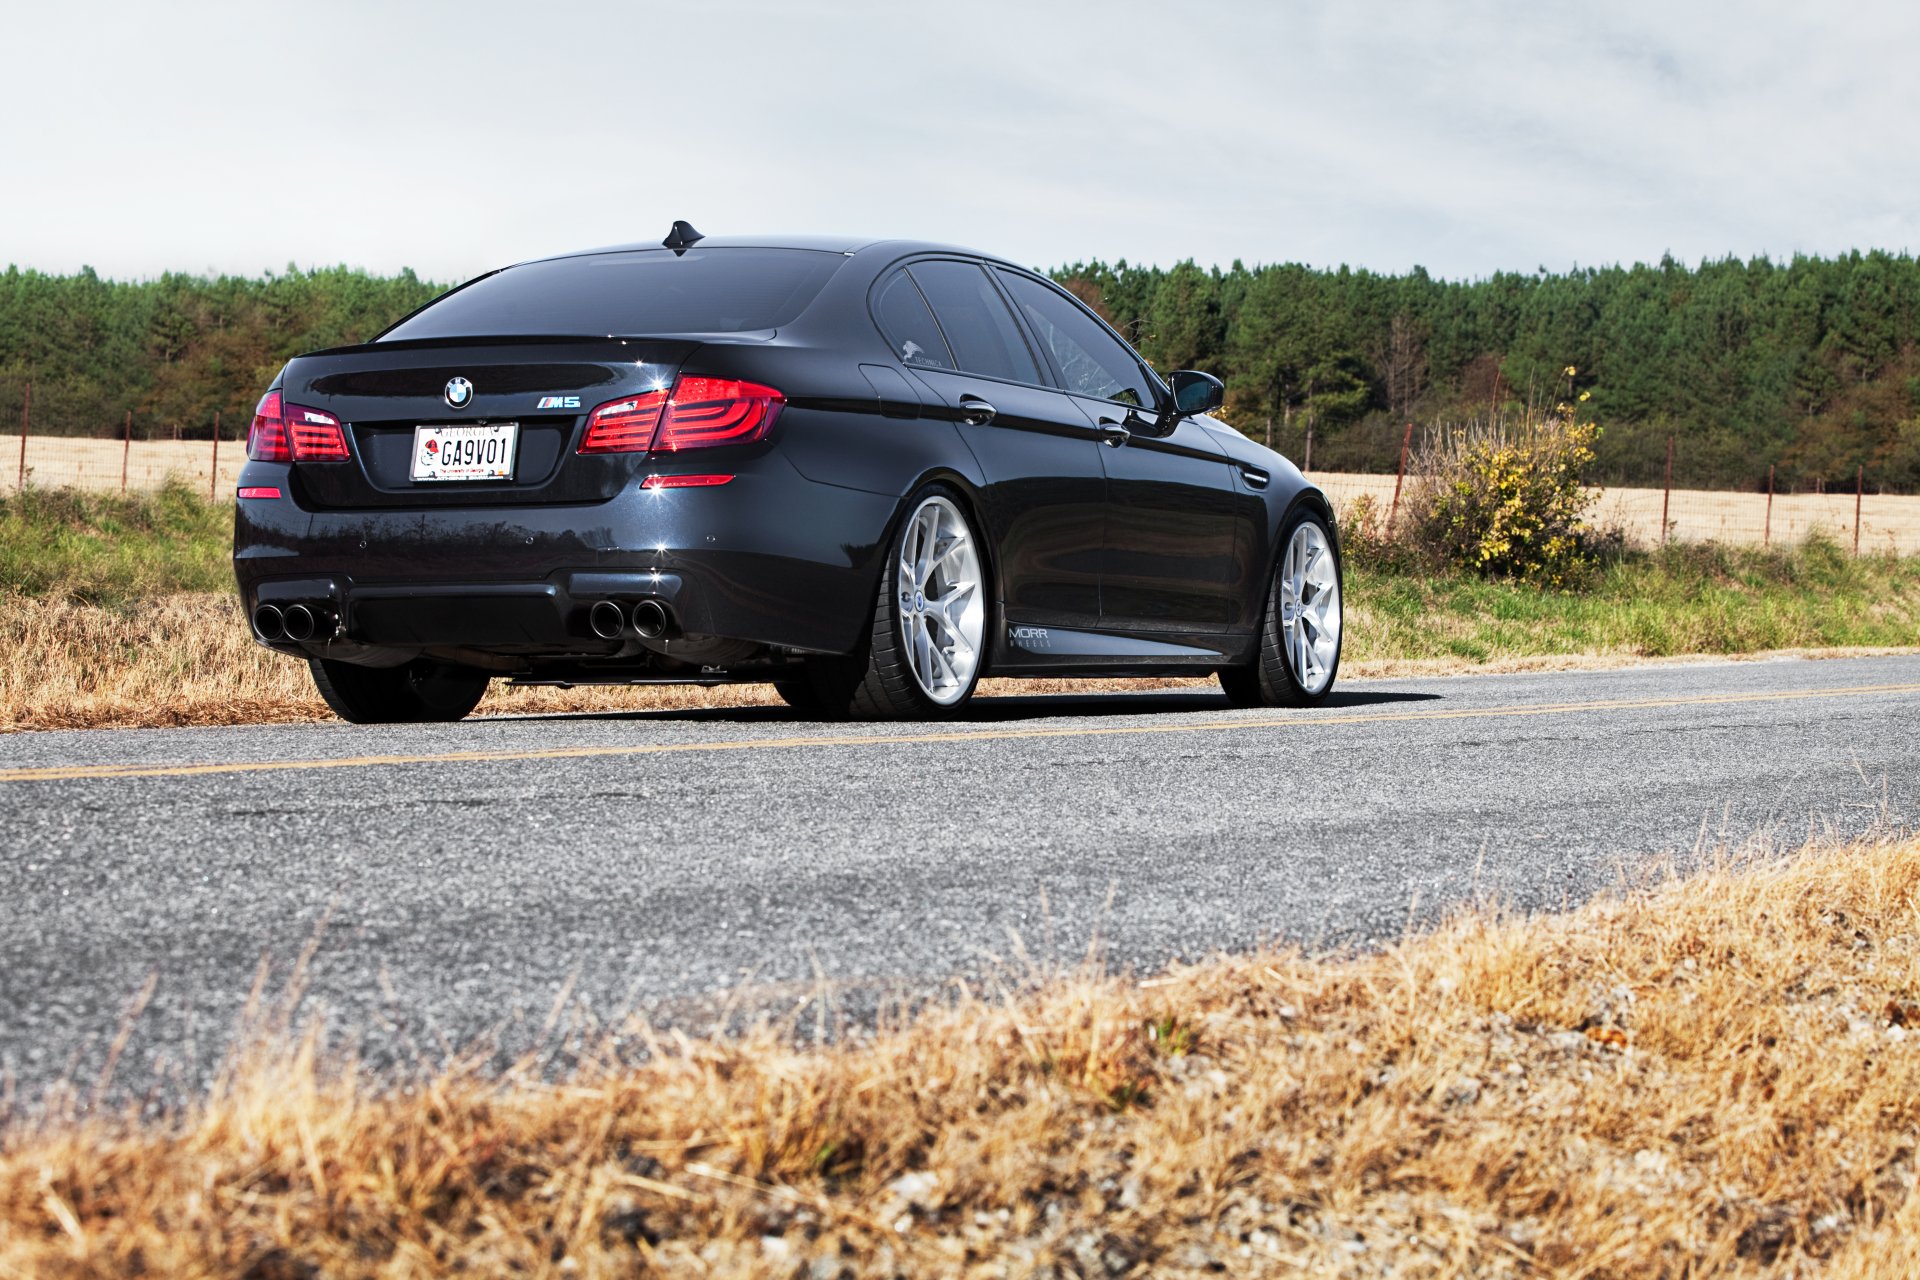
[459, 883]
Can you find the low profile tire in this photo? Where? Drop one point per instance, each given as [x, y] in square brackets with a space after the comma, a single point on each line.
[417, 692]
[922, 655]
[1299, 652]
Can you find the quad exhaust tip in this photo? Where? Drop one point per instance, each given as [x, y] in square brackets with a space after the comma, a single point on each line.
[606, 620]
[650, 619]
[299, 623]
[269, 623]
[296, 623]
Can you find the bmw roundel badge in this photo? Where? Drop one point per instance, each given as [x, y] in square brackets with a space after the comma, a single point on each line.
[459, 393]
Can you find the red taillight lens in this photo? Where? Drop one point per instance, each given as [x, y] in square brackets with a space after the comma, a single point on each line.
[267, 437]
[624, 426]
[698, 413]
[316, 435]
[683, 482]
[710, 411]
[259, 491]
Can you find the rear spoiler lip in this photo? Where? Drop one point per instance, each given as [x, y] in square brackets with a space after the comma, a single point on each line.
[540, 339]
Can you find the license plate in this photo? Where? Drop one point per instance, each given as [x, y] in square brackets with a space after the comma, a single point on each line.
[464, 452]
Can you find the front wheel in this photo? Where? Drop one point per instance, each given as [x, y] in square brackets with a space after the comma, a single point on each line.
[418, 691]
[1299, 650]
[923, 653]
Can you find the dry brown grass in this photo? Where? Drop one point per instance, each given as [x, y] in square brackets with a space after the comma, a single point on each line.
[187, 659]
[1715, 1075]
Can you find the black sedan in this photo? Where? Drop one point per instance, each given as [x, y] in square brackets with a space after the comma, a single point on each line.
[868, 472]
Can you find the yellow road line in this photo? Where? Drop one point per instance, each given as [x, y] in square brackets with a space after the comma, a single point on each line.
[57, 773]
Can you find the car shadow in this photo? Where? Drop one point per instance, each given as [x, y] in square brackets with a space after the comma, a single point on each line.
[1007, 708]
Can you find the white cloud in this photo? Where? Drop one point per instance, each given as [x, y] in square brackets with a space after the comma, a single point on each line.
[1468, 137]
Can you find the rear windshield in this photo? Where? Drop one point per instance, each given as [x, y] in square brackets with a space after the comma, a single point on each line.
[643, 292]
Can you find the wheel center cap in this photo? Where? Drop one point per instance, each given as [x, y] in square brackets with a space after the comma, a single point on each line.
[919, 602]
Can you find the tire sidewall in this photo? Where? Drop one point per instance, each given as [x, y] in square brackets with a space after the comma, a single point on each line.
[890, 585]
[1274, 646]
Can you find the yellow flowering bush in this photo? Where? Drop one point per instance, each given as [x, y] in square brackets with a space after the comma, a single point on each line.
[1509, 503]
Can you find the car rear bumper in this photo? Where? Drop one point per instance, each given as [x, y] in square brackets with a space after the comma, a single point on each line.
[770, 558]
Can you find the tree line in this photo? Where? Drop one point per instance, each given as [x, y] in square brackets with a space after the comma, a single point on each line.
[1808, 366]
[177, 350]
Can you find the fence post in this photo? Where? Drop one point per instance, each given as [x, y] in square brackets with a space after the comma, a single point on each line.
[1307, 465]
[1666, 499]
[1859, 492]
[1400, 476]
[126, 451]
[26, 416]
[213, 476]
[1766, 538]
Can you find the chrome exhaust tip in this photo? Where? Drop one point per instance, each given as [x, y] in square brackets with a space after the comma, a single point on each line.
[269, 623]
[299, 623]
[650, 619]
[606, 620]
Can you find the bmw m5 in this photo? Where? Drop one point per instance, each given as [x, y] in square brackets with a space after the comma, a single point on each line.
[870, 473]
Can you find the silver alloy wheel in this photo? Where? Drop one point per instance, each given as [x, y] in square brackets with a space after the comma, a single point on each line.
[1310, 608]
[938, 592]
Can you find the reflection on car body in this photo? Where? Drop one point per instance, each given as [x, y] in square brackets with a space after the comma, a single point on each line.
[868, 472]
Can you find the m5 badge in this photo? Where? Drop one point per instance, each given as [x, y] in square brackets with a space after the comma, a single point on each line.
[558, 402]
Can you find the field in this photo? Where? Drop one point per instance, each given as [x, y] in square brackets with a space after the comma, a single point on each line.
[1888, 522]
[1707, 1075]
[55, 462]
[118, 611]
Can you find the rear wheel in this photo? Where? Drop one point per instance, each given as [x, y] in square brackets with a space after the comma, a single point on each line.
[924, 650]
[419, 691]
[1299, 652]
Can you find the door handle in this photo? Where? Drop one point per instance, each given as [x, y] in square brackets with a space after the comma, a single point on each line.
[1113, 434]
[1254, 476]
[976, 412]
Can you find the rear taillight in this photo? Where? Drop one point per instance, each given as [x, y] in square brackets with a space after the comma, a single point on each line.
[267, 437]
[698, 413]
[710, 411]
[316, 435]
[624, 426]
[290, 433]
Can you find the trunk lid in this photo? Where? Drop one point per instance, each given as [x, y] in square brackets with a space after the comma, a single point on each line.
[383, 391]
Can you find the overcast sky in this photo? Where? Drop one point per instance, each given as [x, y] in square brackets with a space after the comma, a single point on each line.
[1466, 137]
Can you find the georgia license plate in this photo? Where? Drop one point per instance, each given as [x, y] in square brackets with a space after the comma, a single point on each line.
[483, 452]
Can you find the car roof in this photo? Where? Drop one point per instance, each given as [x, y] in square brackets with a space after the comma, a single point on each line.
[848, 245]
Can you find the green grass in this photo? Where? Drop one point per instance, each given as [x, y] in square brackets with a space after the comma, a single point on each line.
[113, 549]
[110, 548]
[1682, 599]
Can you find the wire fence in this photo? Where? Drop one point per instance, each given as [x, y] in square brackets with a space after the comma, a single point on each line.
[211, 466]
[1866, 521]
[210, 458]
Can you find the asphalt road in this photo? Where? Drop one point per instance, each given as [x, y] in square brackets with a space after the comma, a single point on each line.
[459, 880]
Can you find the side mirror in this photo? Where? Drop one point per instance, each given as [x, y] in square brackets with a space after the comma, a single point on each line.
[1195, 392]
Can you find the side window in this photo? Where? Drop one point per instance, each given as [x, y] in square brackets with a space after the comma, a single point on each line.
[983, 333]
[909, 326]
[1092, 362]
